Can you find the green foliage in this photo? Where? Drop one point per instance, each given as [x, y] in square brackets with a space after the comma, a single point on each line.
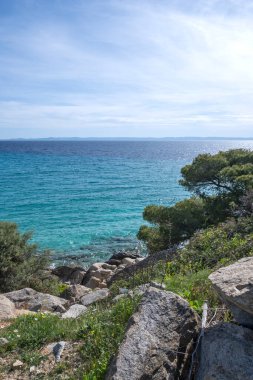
[229, 172]
[194, 287]
[218, 181]
[171, 225]
[143, 276]
[101, 330]
[20, 263]
[216, 246]
[30, 332]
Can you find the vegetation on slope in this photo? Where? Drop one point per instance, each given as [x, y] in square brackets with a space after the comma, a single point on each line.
[212, 229]
[98, 333]
[20, 263]
[217, 182]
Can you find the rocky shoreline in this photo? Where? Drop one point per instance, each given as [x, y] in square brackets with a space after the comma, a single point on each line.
[164, 332]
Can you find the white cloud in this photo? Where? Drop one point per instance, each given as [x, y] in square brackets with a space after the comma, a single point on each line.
[147, 68]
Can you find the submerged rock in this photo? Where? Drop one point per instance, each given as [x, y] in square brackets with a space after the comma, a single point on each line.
[234, 285]
[158, 340]
[226, 353]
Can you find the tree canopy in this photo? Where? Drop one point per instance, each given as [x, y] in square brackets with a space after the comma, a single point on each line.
[229, 172]
[218, 183]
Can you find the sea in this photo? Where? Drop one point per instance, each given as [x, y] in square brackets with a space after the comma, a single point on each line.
[84, 199]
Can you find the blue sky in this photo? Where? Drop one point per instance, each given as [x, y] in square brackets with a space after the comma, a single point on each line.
[121, 68]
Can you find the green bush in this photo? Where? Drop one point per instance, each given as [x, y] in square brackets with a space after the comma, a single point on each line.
[216, 246]
[20, 263]
[172, 225]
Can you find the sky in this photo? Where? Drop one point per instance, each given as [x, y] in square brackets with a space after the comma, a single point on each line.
[126, 68]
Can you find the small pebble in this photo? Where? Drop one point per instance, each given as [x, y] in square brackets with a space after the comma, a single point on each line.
[17, 364]
[3, 341]
[123, 290]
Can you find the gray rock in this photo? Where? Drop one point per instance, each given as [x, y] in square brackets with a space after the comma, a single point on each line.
[95, 296]
[128, 261]
[226, 353]
[114, 262]
[108, 266]
[122, 255]
[17, 364]
[96, 266]
[3, 341]
[93, 283]
[234, 285]
[58, 349]
[71, 274]
[75, 311]
[158, 340]
[28, 298]
[7, 308]
[119, 297]
[75, 292]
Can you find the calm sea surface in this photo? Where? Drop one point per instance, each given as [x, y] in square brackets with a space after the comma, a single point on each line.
[86, 198]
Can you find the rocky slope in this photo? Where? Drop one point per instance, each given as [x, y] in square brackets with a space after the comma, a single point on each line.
[163, 333]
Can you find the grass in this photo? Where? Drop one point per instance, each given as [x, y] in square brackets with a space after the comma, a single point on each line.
[194, 287]
[99, 332]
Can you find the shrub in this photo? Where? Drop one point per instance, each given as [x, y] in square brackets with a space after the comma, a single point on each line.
[20, 263]
[172, 225]
[216, 246]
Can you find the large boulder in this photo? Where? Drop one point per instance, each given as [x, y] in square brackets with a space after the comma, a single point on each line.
[74, 311]
[226, 353]
[7, 308]
[234, 285]
[28, 298]
[75, 292]
[89, 274]
[71, 274]
[97, 275]
[95, 296]
[158, 341]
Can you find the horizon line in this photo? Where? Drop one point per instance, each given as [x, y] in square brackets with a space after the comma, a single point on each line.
[127, 138]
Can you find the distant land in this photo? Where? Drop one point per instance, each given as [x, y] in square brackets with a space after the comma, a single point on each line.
[191, 138]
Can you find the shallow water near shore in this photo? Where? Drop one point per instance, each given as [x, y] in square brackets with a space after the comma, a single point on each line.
[85, 198]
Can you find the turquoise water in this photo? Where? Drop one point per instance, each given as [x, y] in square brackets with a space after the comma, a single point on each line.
[85, 198]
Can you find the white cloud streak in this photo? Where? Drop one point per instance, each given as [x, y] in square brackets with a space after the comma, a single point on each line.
[142, 69]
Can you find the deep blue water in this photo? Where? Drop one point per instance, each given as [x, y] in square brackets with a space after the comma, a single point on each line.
[86, 197]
